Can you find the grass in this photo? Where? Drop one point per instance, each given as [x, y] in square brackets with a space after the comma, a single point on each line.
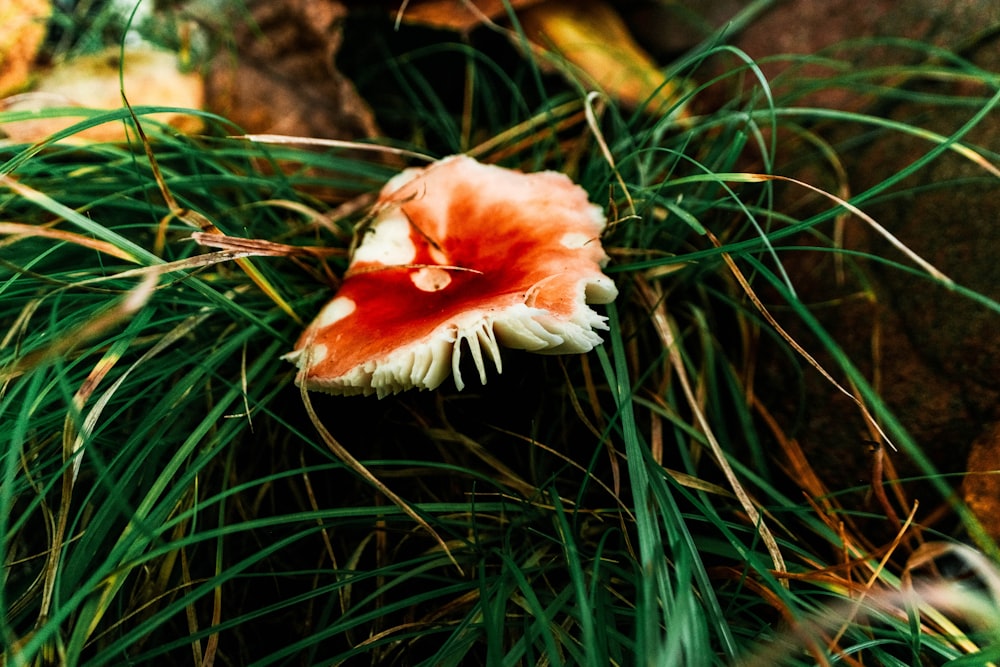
[166, 497]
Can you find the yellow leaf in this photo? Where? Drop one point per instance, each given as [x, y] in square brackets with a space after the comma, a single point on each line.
[592, 37]
[21, 34]
[92, 82]
[458, 15]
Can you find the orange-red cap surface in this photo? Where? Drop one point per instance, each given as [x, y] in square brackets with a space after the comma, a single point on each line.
[460, 255]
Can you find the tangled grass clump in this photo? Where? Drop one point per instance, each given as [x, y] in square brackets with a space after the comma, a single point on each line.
[166, 493]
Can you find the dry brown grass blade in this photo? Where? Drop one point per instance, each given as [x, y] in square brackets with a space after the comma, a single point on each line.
[577, 406]
[345, 456]
[817, 495]
[15, 336]
[90, 420]
[19, 230]
[595, 128]
[212, 645]
[316, 218]
[187, 264]
[762, 309]
[876, 573]
[34, 195]
[775, 602]
[575, 464]
[882, 231]
[664, 327]
[614, 460]
[314, 506]
[89, 330]
[515, 140]
[190, 613]
[798, 468]
[165, 341]
[986, 570]
[261, 248]
[332, 143]
[72, 442]
[505, 475]
[195, 219]
[931, 601]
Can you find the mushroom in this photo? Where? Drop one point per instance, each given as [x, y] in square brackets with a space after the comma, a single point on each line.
[460, 255]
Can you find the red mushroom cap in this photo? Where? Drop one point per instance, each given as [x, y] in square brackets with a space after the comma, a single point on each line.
[460, 254]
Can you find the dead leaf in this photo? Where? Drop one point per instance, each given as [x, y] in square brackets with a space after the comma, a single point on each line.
[593, 37]
[281, 79]
[92, 82]
[587, 35]
[22, 34]
[457, 15]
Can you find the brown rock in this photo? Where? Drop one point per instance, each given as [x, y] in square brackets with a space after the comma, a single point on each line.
[981, 488]
[950, 218]
[933, 353]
